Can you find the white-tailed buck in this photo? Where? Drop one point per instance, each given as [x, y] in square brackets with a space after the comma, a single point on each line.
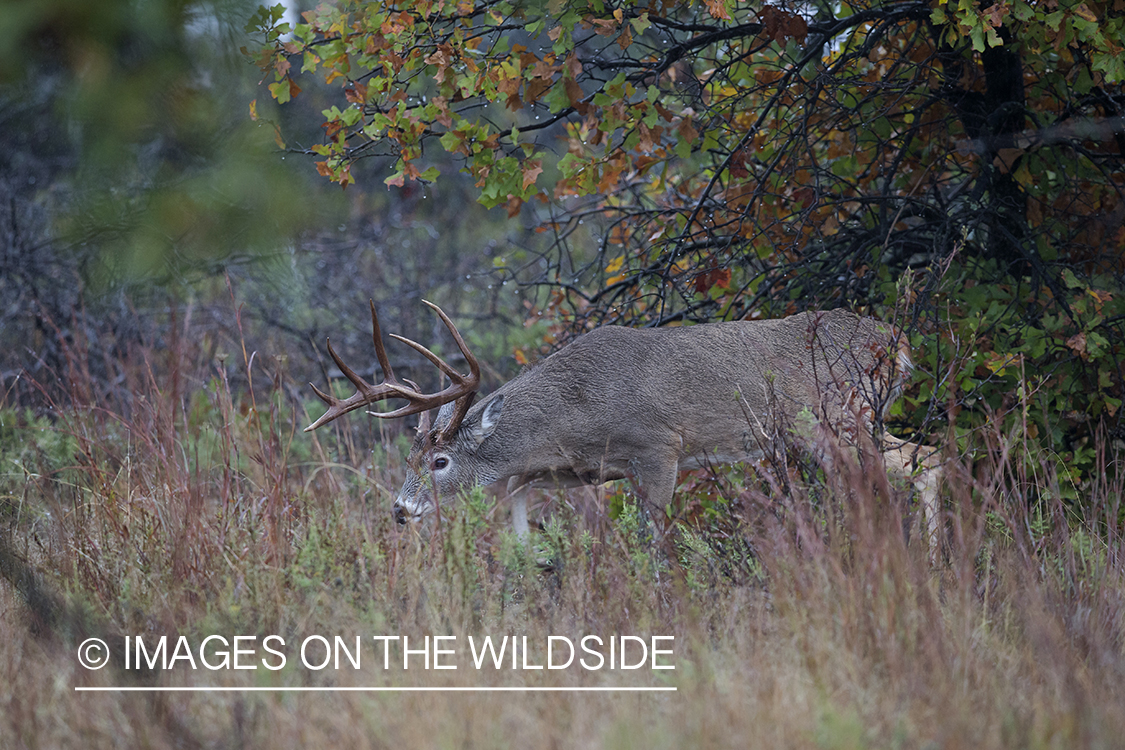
[647, 403]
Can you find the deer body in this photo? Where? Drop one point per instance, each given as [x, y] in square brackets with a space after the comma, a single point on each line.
[647, 403]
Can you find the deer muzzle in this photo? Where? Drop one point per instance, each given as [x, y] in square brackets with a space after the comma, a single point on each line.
[410, 506]
[399, 512]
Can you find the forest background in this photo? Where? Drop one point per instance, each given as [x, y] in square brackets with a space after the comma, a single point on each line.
[174, 253]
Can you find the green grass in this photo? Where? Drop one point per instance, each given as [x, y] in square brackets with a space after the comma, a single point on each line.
[807, 619]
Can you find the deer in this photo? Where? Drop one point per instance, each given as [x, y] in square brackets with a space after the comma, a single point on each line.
[644, 404]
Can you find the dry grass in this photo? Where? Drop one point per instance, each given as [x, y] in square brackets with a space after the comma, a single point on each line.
[804, 619]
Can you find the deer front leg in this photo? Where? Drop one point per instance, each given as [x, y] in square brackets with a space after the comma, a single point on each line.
[517, 495]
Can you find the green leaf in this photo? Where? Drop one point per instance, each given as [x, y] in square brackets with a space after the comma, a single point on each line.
[280, 91]
[976, 34]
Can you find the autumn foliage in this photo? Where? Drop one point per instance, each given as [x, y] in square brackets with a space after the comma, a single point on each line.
[963, 165]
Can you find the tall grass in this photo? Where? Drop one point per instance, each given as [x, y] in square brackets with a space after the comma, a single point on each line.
[802, 618]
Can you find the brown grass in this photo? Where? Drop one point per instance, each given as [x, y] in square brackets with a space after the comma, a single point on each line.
[802, 619]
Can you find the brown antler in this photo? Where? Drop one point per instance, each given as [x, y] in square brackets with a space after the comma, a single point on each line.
[462, 388]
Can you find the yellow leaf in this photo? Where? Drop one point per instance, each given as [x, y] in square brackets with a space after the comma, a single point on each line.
[1083, 11]
[614, 268]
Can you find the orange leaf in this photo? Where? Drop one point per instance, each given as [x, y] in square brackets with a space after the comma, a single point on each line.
[687, 131]
[534, 88]
[531, 171]
[650, 137]
[625, 39]
[357, 94]
[574, 94]
[443, 116]
[717, 9]
[1077, 343]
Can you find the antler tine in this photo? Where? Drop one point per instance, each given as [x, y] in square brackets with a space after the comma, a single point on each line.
[349, 373]
[438, 361]
[323, 396]
[474, 366]
[473, 380]
[380, 352]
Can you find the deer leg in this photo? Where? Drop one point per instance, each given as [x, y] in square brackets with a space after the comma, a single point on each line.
[900, 457]
[656, 480]
[517, 494]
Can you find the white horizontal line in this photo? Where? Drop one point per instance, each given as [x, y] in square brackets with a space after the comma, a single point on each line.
[502, 689]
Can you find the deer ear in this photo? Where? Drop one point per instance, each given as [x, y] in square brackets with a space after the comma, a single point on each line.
[489, 418]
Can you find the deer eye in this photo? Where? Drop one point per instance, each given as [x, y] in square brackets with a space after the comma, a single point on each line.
[441, 463]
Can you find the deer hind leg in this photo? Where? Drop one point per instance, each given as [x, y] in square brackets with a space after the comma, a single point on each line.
[901, 457]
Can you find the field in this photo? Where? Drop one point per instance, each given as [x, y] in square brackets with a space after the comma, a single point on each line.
[804, 613]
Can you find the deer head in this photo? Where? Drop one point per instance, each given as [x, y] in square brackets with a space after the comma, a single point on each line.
[428, 461]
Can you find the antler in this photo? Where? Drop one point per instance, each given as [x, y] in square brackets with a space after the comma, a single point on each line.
[461, 389]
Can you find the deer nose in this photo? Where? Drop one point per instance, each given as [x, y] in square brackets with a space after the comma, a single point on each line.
[400, 513]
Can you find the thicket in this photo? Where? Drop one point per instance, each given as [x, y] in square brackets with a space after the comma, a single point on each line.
[959, 169]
